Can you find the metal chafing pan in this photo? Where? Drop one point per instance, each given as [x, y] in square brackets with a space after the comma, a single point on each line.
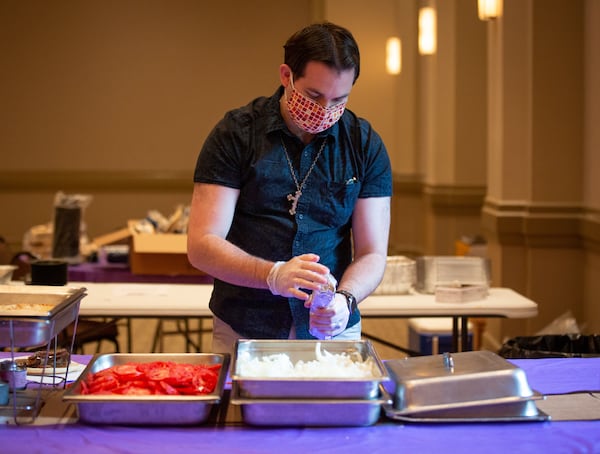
[309, 412]
[522, 411]
[146, 410]
[45, 312]
[462, 386]
[310, 387]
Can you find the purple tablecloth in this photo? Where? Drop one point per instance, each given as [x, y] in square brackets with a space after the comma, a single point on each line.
[94, 272]
[548, 376]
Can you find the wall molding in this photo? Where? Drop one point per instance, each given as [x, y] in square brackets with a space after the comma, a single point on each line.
[407, 184]
[97, 181]
[542, 225]
[523, 223]
[512, 222]
[442, 197]
[447, 199]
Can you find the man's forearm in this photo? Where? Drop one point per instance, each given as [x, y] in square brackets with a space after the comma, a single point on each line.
[363, 275]
[220, 259]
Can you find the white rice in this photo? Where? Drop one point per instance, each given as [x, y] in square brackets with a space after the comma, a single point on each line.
[326, 365]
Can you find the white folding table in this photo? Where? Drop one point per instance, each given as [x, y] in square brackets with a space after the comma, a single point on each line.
[164, 301]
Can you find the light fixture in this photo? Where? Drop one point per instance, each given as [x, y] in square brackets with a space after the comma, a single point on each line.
[427, 31]
[393, 55]
[489, 9]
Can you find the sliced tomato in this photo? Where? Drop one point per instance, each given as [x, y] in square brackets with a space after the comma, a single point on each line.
[135, 391]
[158, 370]
[181, 374]
[168, 389]
[127, 371]
[213, 367]
[103, 383]
[157, 377]
[188, 391]
[103, 373]
[85, 389]
[205, 380]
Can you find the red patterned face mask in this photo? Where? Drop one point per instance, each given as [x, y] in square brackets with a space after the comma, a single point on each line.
[309, 115]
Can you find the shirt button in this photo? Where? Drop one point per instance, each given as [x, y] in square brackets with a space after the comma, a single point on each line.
[300, 216]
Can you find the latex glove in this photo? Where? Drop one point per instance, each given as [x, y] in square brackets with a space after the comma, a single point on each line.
[329, 321]
[304, 271]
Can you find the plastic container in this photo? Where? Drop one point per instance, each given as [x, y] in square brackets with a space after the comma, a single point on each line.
[433, 271]
[399, 277]
[13, 374]
[3, 393]
[430, 336]
[320, 299]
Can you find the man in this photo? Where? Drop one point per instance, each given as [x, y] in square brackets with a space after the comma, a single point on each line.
[288, 190]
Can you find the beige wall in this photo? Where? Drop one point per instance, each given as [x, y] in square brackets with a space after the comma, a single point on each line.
[591, 167]
[131, 84]
[543, 228]
[105, 96]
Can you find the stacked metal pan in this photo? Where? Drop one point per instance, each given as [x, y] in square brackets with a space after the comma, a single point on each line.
[273, 400]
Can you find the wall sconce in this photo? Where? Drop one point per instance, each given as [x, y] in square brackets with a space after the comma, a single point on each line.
[489, 9]
[393, 55]
[427, 31]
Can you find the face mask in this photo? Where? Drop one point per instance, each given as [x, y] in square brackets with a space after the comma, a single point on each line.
[309, 115]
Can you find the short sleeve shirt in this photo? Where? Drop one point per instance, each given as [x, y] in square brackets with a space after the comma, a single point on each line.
[247, 150]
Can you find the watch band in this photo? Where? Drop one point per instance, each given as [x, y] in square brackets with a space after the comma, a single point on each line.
[350, 300]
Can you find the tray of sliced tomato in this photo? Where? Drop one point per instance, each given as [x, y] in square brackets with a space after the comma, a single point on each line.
[149, 389]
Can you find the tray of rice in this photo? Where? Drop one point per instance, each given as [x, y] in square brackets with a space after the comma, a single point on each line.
[297, 369]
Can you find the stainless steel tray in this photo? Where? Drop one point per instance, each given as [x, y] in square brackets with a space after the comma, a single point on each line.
[146, 410]
[45, 312]
[443, 382]
[309, 412]
[309, 387]
[432, 271]
[522, 411]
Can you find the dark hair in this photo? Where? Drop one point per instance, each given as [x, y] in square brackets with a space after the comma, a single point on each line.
[323, 42]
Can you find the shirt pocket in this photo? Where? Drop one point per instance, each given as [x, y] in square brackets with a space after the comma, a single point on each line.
[336, 202]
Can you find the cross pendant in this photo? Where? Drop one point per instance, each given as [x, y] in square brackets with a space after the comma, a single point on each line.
[294, 199]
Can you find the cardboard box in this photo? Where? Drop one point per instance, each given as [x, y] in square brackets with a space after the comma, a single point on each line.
[159, 253]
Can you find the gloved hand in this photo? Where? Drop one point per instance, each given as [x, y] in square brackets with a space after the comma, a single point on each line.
[303, 271]
[329, 321]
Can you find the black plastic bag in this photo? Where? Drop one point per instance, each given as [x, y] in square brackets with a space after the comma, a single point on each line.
[552, 346]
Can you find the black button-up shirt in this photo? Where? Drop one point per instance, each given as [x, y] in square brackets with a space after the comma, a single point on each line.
[245, 151]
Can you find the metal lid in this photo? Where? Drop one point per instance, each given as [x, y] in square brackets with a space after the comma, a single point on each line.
[454, 380]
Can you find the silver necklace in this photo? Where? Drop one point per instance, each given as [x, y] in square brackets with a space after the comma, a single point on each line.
[294, 198]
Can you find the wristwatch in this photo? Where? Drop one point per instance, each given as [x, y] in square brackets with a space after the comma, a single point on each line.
[350, 300]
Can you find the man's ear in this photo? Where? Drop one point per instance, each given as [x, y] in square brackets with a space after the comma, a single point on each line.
[285, 74]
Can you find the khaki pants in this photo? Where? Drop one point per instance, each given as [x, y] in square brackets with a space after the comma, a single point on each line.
[224, 337]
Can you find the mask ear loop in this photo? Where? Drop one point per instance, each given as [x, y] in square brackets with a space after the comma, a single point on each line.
[291, 85]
